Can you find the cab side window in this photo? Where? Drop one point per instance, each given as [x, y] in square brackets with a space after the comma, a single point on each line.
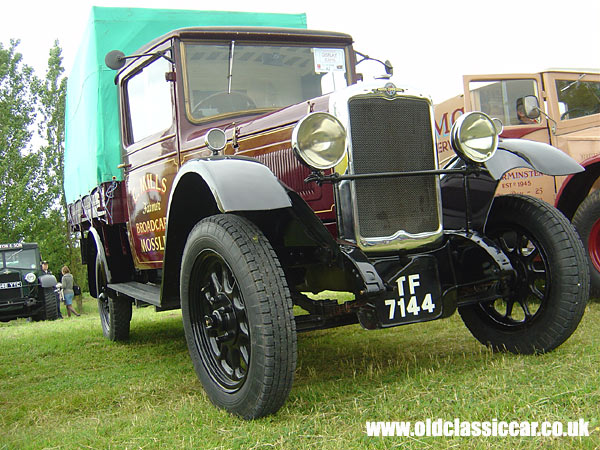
[149, 101]
[503, 99]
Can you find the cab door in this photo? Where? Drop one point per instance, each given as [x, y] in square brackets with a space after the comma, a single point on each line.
[151, 157]
[500, 97]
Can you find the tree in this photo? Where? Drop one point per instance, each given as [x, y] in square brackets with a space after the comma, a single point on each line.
[32, 201]
[51, 94]
[53, 231]
[20, 167]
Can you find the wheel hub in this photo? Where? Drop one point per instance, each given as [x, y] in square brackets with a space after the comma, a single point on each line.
[521, 287]
[223, 319]
[528, 289]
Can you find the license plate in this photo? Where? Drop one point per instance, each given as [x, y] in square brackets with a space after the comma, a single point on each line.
[416, 295]
[10, 285]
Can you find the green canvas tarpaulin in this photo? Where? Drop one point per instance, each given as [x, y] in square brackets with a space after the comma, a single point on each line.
[92, 140]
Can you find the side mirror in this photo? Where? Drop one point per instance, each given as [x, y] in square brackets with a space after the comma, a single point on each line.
[115, 59]
[531, 106]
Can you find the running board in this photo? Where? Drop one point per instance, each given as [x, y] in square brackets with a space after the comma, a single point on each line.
[148, 293]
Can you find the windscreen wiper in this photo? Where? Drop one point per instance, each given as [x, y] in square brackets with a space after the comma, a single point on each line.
[568, 86]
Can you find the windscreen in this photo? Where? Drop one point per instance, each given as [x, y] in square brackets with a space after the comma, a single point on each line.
[578, 98]
[235, 77]
[19, 259]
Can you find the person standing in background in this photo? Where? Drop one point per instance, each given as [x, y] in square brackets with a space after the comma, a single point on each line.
[67, 286]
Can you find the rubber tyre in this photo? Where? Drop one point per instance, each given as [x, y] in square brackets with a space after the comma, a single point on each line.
[50, 305]
[553, 281]
[115, 312]
[231, 274]
[587, 223]
[49, 311]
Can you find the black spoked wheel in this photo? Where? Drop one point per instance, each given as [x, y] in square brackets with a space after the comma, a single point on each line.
[219, 321]
[549, 293]
[529, 296]
[237, 316]
[115, 313]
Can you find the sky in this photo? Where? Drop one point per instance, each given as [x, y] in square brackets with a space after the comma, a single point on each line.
[431, 43]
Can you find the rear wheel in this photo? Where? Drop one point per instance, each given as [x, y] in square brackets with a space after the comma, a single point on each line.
[237, 316]
[115, 312]
[587, 224]
[550, 292]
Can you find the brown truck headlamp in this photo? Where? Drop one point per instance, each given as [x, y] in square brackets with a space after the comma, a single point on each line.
[319, 139]
[474, 137]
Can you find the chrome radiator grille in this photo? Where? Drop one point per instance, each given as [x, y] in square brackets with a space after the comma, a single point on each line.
[393, 135]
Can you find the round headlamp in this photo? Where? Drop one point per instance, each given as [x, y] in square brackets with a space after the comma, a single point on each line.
[319, 139]
[474, 137]
[30, 277]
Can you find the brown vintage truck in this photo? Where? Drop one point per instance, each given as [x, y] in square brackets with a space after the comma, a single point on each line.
[564, 111]
[259, 168]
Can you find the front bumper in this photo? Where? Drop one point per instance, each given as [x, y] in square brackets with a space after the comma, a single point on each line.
[19, 307]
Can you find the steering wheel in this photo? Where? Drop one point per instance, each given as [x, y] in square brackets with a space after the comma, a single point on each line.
[224, 102]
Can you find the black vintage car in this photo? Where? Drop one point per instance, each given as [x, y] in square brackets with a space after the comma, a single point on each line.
[259, 168]
[24, 290]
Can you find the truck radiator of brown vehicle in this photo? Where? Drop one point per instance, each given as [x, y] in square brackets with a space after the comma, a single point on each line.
[393, 135]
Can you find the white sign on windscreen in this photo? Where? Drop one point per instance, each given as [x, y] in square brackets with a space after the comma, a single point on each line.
[329, 60]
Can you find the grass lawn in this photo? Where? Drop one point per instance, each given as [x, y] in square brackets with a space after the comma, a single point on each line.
[63, 386]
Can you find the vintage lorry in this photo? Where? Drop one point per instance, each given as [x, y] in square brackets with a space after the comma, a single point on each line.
[258, 169]
[25, 291]
[564, 111]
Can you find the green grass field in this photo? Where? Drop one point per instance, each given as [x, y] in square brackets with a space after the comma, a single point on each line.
[63, 386]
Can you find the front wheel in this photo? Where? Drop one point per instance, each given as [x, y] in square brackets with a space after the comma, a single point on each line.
[237, 316]
[549, 294]
[587, 223]
[50, 305]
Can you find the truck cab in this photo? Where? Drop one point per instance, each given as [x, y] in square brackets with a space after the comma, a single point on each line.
[232, 81]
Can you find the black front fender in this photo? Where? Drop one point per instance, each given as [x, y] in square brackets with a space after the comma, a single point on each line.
[205, 187]
[458, 205]
[514, 153]
[511, 154]
[236, 184]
